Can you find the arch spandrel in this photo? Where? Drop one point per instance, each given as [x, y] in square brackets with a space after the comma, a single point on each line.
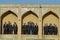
[35, 10]
[15, 10]
[54, 10]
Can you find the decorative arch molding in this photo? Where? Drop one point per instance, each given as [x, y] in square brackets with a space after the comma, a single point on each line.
[29, 13]
[24, 10]
[46, 10]
[50, 12]
[9, 11]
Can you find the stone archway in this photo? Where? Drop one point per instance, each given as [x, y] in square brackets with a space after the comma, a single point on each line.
[8, 16]
[50, 17]
[30, 17]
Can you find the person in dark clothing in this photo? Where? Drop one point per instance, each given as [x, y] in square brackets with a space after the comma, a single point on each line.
[46, 29]
[28, 28]
[31, 28]
[50, 29]
[23, 32]
[15, 28]
[9, 28]
[24, 28]
[36, 29]
[5, 28]
[55, 30]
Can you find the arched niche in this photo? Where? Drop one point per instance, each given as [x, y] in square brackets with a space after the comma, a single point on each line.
[50, 18]
[29, 16]
[8, 16]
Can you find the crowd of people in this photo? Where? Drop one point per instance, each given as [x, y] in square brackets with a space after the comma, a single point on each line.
[30, 28]
[50, 29]
[9, 28]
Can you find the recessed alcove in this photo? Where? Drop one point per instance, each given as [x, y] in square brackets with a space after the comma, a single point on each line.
[50, 18]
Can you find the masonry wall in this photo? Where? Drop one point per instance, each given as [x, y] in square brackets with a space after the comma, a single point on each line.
[40, 11]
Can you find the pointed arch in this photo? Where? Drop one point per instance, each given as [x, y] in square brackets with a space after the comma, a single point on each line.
[8, 16]
[7, 13]
[29, 12]
[49, 18]
[48, 13]
[31, 17]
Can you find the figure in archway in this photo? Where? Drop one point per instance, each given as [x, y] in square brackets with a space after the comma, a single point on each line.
[50, 29]
[46, 29]
[15, 28]
[30, 18]
[23, 28]
[55, 30]
[5, 28]
[50, 18]
[9, 17]
[30, 28]
[8, 28]
[35, 29]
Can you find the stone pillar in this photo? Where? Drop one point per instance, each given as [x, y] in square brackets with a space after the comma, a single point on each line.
[59, 29]
[19, 23]
[0, 26]
[40, 23]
